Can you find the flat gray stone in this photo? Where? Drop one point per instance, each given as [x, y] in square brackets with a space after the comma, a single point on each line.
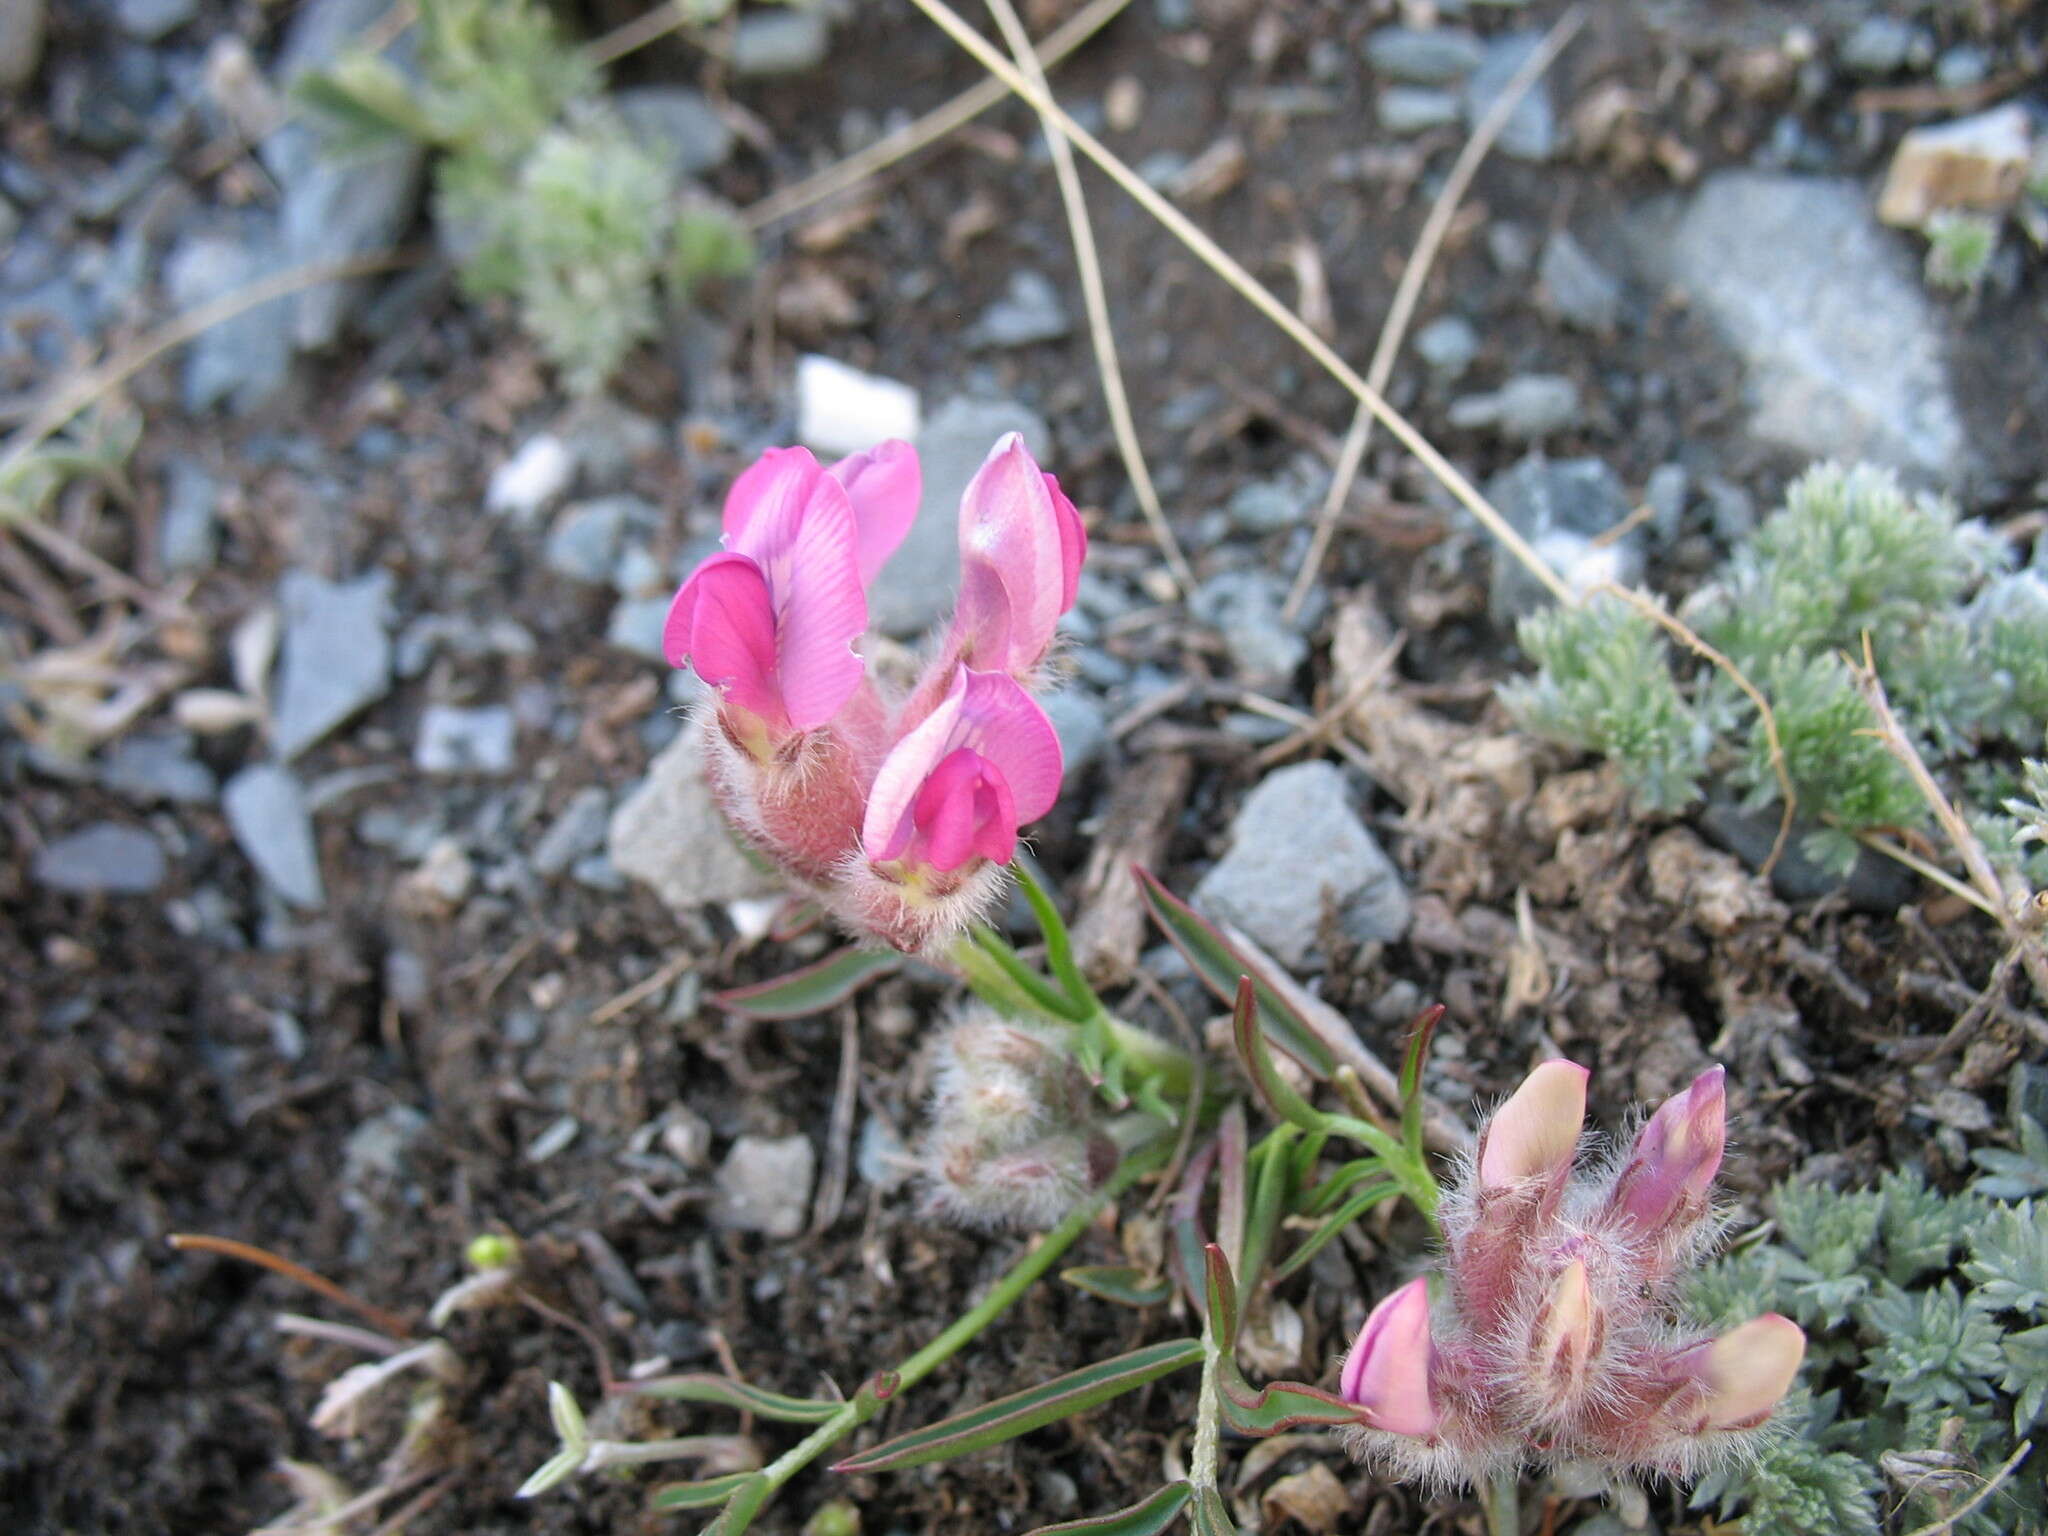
[267, 813]
[1525, 409]
[1296, 842]
[1083, 727]
[148, 20]
[337, 655]
[107, 858]
[1531, 129]
[1438, 56]
[782, 41]
[1576, 288]
[583, 545]
[188, 531]
[458, 740]
[915, 589]
[764, 1185]
[1448, 344]
[577, 832]
[1842, 345]
[1244, 607]
[21, 41]
[1409, 109]
[670, 835]
[1565, 508]
[636, 626]
[244, 361]
[1029, 311]
[158, 766]
[676, 124]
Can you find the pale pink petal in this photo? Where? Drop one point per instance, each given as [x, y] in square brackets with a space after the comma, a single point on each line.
[1672, 1166]
[1535, 1133]
[723, 623]
[1073, 542]
[820, 606]
[1009, 524]
[883, 483]
[770, 491]
[1006, 726]
[1387, 1371]
[886, 829]
[1746, 1372]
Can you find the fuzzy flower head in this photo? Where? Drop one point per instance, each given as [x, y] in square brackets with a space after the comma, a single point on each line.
[1554, 1335]
[898, 810]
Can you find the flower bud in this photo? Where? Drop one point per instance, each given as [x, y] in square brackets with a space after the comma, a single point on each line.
[1387, 1371]
[1535, 1134]
[1666, 1180]
[1745, 1373]
[1567, 1336]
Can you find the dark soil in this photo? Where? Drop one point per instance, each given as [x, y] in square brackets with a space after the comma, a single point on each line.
[152, 1082]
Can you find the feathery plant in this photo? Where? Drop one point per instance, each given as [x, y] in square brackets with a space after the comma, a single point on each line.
[540, 192]
[1961, 642]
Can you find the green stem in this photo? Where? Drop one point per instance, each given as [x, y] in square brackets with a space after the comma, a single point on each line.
[1501, 1498]
[864, 1405]
[1150, 1056]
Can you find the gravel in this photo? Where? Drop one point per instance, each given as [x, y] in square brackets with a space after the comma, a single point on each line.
[337, 655]
[107, 858]
[267, 813]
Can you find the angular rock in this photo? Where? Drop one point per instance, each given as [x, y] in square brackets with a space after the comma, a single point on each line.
[605, 440]
[337, 655]
[21, 41]
[1843, 347]
[1448, 344]
[915, 589]
[1974, 162]
[670, 835]
[158, 766]
[577, 831]
[677, 124]
[1438, 56]
[1077, 715]
[1527, 407]
[188, 530]
[1576, 288]
[1409, 109]
[243, 361]
[1029, 311]
[1244, 607]
[148, 20]
[636, 626]
[107, 858]
[532, 480]
[783, 41]
[584, 543]
[840, 410]
[457, 740]
[1530, 132]
[1883, 45]
[1564, 508]
[267, 813]
[1297, 841]
[764, 1185]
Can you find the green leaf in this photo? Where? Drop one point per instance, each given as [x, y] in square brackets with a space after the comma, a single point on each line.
[1059, 950]
[1280, 1406]
[704, 1387]
[1420, 1033]
[813, 989]
[1274, 1091]
[1021, 1412]
[1146, 1518]
[1207, 1515]
[1273, 1191]
[1220, 965]
[741, 1508]
[365, 103]
[1349, 1212]
[1222, 1291]
[700, 1495]
[1123, 1284]
[1230, 1184]
[1046, 998]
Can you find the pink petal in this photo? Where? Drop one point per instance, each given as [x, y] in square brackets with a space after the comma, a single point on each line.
[1011, 731]
[1676, 1156]
[965, 808]
[723, 623]
[1536, 1133]
[1073, 542]
[883, 483]
[1387, 1371]
[820, 606]
[1746, 1372]
[1010, 524]
[771, 489]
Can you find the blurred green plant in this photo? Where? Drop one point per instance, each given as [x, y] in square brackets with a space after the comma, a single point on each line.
[540, 193]
[1960, 246]
[96, 446]
[1962, 644]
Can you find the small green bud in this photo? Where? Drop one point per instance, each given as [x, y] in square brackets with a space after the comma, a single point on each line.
[491, 1250]
[841, 1517]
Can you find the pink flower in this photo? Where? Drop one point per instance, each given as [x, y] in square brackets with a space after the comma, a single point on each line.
[958, 786]
[1387, 1371]
[1671, 1169]
[1021, 547]
[1536, 1132]
[771, 622]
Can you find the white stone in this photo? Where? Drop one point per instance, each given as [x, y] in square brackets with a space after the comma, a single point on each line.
[533, 479]
[670, 835]
[840, 410]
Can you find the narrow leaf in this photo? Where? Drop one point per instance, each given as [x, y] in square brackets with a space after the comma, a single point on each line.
[700, 1495]
[1283, 1405]
[1045, 997]
[741, 1508]
[1273, 1189]
[1184, 1221]
[1219, 965]
[1319, 1239]
[1420, 1033]
[813, 989]
[1059, 949]
[1222, 1299]
[1147, 1518]
[1274, 1091]
[1123, 1284]
[1020, 1412]
[1208, 1516]
[704, 1387]
[1230, 1184]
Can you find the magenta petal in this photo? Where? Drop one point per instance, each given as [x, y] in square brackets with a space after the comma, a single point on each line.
[723, 624]
[1073, 542]
[770, 490]
[883, 483]
[1672, 1166]
[821, 609]
[1012, 732]
[1009, 523]
[1387, 1372]
[981, 616]
[886, 829]
[965, 809]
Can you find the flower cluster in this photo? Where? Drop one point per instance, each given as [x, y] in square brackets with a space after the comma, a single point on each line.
[1553, 1337]
[898, 812]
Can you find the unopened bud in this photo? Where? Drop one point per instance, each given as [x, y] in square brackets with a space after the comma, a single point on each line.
[1536, 1133]
[1567, 1335]
[1746, 1372]
[1387, 1372]
[1676, 1156]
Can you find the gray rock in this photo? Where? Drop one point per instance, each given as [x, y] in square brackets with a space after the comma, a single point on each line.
[148, 20]
[1528, 407]
[1730, 509]
[1297, 842]
[1874, 882]
[188, 531]
[605, 440]
[1438, 56]
[1843, 348]
[242, 362]
[458, 740]
[1883, 45]
[1531, 129]
[1029, 311]
[1511, 246]
[881, 1159]
[1576, 288]
[584, 543]
[764, 1185]
[21, 41]
[1665, 495]
[579, 830]
[334, 206]
[915, 589]
[677, 124]
[373, 1158]
[670, 835]
[783, 41]
[104, 859]
[1268, 506]
[136, 172]
[1408, 109]
[1961, 67]
[636, 626]
[267, 814]
[1564, 507]
[1244, 606]
[158, 766]
[1077, 715]
[471, 639]
[638, 574]
[1448, 344]
[337, 655]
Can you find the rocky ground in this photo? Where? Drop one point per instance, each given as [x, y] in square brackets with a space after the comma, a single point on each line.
[358, 894]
